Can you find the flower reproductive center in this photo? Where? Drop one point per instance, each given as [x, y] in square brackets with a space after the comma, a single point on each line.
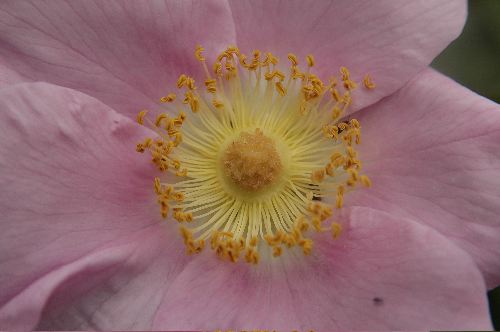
[255, 159]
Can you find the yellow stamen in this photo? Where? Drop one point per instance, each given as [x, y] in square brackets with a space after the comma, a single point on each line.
[310, 60]
[140, 117]
[336, 230]
[368, 83]
[168, 98]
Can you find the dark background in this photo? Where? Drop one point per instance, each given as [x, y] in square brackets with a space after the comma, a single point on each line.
[473, 60]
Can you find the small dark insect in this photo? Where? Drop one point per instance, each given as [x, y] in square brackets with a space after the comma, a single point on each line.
[315, 198]
[343, 125]
[378, 301]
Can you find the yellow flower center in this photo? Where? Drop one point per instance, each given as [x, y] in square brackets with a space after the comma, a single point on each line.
[251, 161]
[263, 161]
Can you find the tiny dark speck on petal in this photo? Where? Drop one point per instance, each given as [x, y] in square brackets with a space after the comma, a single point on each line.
[378, 301]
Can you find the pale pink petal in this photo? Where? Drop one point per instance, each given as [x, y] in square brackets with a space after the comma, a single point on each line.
[432, 151]
[383, 273]
[123, 296]
[118, 286]
[72, 185]
[125, 53]
[9, 76]
[392, 40]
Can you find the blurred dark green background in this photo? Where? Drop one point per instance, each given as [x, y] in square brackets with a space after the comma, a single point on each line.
[474, 61]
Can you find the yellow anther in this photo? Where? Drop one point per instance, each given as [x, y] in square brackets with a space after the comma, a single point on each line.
[277, 251]
[339, 202]
[233, 50]
[273, 240]
[214, 241]
[296, 73]
[140, 117]
[345, 73]
[306, 245]
[164, 208]
[157, 186]
[350, 85]
[275, 73]
[182, 216]
[178, 139]
[270, 59]
[289, 240]
[280, 88]
[147, 142]
[253, 241]
[186, 233]
[329, 169]
[313, 207]
[211, 85]
[301, 223]
[330, 131]
[355, 123]
[181, 81]
[336, 112]
[252, 256]
[198, 53]
[192, 100]
[217, 104]
[293, 59]
[233, 256]
[280, 75]
[316, 222]
[176, 163]
[318, 175]
[357, 134]
[310, 60]
[256, 54]
[218, 69]
[353, 177]
[190, 83]
[342, 126]
[178, 196]
[335, 156]
[168, 98]
[199, 247]
[368, 83]
[335, 95]
[178, 120]
[140, 148]
[336, 230]
[365, 180]
[160, 118]
[182, 173]
[351, 152]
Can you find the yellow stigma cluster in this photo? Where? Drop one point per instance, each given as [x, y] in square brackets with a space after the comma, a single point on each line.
[264, 160]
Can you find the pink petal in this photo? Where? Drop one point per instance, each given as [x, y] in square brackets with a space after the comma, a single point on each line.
[391, 40]
[432, 151]
[383, 273]
[72, 186]
[126, 54]
[124, 295]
